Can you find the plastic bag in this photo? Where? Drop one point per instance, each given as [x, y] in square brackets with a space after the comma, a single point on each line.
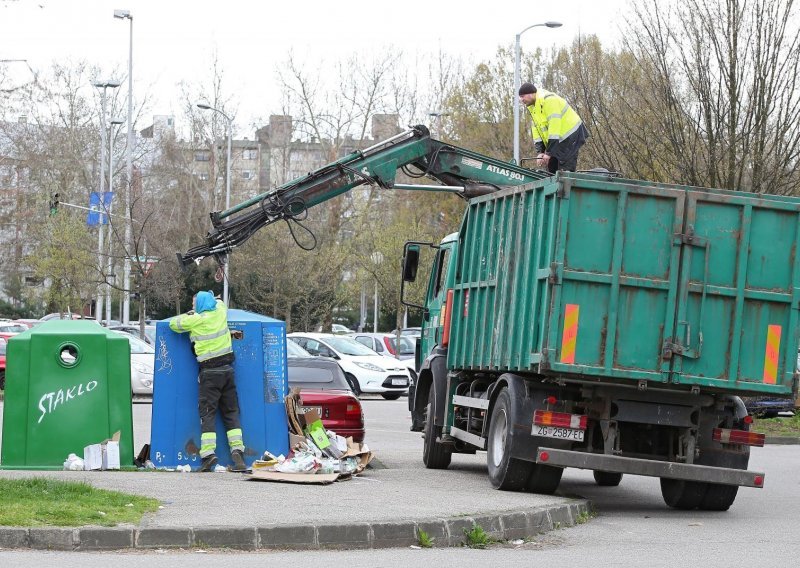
[73, 463]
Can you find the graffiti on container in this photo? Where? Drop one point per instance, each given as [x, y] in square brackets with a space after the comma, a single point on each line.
[52, 400]
[164, 360]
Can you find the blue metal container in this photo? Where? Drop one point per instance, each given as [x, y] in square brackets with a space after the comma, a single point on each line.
[261, 382]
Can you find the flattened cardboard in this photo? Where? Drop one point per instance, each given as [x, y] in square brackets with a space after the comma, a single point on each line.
[305, 478]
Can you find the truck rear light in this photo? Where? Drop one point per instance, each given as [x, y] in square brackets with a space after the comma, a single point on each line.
[544, 456]
[559, 419]
[725, 436]
[448, 309]
[551, 400]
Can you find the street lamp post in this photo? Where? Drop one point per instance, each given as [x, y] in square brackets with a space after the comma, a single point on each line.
[110, 264]
[126, 298]
[517, 83]
[104, 85]
[377, 259]
[229, 129]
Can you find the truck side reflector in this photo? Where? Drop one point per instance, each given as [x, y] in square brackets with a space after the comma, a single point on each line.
[448, 309]
[544, 456]
[758, 480]
[725, 436]
[771, 354]
[559, 419]
[569, 339]
[748, 419]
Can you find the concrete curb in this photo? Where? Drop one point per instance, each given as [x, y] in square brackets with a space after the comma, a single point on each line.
[782, 440]
[393, 534]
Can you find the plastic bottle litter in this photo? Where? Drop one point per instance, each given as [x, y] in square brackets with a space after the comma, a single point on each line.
[73, 463]
[220, 469]
[184, 468]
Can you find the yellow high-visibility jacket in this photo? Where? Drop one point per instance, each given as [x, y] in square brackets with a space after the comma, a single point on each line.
[208, 331]
[553, 121]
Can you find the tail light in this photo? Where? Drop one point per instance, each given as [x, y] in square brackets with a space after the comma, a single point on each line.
[353, 408]
[559, 419]
[446, 311]
[725, 436]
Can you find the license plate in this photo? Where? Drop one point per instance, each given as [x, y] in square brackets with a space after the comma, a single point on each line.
[399, 382]
[310, 408]
[555, 432]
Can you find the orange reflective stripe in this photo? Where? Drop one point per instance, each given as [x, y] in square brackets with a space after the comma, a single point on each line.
[569, 339]
[771, 355]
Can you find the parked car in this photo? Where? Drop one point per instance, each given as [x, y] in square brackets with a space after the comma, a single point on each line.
[410, 331]
[365, 370]
[29, 323]
[386, 344]
[132, 329]
[142, 362]
[2, 364]
[324, 387]
[336, 329]
[10, 329]
[64, 316]
[768, 406]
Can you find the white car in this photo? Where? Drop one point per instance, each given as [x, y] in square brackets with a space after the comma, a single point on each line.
[366, 371]
[142, 362]
[385, 344]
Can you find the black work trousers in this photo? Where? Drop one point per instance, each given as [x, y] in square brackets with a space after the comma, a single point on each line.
[218, 391]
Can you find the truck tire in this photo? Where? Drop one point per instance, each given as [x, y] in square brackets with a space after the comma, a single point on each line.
[685, 495]
[607, 478]
[434, 454]
[354, 386]
[505, 473]
[544, 479]
[720, 497]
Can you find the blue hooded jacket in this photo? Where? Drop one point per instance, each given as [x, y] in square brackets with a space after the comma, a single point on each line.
[205, 302]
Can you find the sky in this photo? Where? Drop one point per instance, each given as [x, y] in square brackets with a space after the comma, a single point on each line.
[173, 40]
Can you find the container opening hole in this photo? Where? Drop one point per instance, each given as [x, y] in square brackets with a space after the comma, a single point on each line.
[68, 355]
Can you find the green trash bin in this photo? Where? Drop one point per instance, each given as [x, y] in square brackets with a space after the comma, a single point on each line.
[68, 385]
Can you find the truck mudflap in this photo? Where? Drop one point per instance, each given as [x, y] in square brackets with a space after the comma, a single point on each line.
[651, 468]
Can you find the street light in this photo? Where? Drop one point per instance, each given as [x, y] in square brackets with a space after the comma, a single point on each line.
[225, 269]
[105, 85]
[517, 83]
[109, 266]
[126, 298]
[377, 259]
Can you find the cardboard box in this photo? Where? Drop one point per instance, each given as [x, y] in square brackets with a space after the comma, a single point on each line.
[102, 456]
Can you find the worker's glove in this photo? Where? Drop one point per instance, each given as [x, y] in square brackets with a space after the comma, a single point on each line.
[544, 160]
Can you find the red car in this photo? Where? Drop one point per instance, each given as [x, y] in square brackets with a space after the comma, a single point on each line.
[2, 364]
[324, 387]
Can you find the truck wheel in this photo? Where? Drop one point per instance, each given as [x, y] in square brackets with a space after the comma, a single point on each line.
[434, 454]
[544, 479]
[505, 472]
[679, 494]
[720, 497]
[353, 382]
[607, 478]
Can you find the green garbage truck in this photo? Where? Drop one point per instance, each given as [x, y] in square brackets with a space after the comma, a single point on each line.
[581, 320]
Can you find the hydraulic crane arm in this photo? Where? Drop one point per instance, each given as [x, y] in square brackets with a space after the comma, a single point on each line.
[461, 171]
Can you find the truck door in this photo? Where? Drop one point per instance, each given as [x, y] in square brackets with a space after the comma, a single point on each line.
[738, 301]
[437, 294]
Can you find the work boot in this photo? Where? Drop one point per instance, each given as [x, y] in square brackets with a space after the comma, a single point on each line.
[238, 461]
[208, 463]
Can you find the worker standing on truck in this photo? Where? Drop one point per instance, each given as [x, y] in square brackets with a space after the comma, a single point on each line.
[207, 326]
[558, 131]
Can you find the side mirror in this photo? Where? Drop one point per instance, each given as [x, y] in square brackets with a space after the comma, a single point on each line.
[410, 263]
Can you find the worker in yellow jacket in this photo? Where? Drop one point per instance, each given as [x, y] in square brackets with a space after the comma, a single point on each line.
[207, 326]
[558, 132]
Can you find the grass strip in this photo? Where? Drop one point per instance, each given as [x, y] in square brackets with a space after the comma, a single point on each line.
[782, 426]
[40, 501]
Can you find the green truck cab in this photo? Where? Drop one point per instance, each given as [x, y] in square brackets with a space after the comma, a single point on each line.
[609, 324]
